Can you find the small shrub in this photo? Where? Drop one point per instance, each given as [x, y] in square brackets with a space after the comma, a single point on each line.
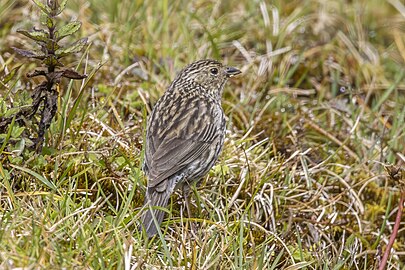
[45, 94]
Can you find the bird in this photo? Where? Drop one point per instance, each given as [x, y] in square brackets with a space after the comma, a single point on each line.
[185, 134]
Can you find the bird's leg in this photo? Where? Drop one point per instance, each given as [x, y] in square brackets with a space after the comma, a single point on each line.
[186, 195]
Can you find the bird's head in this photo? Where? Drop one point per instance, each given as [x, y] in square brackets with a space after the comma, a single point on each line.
[209, 74]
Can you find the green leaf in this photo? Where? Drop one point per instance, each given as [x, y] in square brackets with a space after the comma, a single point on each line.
[11, 74]
[44, 8]
[67, 30]
[3, 107]
[61, 7]
[43, 18]
[50, 23]
[51, 46]
[46, 20]
[19, 148]
[16, 158]
[52, 61]
[41, 178]
[37, 35]
[74, 48]
[4, 174]
[9, 130]
[40, 162]
[17, 131]
[11, 112]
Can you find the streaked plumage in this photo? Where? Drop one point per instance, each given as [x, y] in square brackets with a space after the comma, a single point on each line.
[185, 134]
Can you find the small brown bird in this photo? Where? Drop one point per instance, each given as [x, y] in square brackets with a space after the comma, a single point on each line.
[185, 134]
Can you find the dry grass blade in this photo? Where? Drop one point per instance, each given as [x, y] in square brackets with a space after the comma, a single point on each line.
[316, 115]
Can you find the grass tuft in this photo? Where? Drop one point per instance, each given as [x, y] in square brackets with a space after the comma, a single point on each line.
[316, 126]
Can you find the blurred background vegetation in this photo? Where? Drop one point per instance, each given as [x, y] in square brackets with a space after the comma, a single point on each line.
[316, 124]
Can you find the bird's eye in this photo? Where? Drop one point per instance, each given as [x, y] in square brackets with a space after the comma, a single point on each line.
[214, 71]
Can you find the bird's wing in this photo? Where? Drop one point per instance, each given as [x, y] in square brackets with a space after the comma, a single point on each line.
[177, 149]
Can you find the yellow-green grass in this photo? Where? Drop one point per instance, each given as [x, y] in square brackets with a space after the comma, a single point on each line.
[313, 121]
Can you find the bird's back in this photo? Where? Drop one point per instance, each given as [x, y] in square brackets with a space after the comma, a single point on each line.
[185, 134]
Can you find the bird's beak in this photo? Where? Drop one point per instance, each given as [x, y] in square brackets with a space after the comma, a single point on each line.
[231, 71]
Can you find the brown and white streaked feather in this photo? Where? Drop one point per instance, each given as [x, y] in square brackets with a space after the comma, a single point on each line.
[185, 134]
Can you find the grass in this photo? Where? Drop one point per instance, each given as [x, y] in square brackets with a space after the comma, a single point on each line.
[313, 122]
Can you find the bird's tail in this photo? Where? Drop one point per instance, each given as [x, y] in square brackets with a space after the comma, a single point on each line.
[154, 217]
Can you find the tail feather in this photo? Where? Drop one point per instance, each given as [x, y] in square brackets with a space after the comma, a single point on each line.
[152, 199]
